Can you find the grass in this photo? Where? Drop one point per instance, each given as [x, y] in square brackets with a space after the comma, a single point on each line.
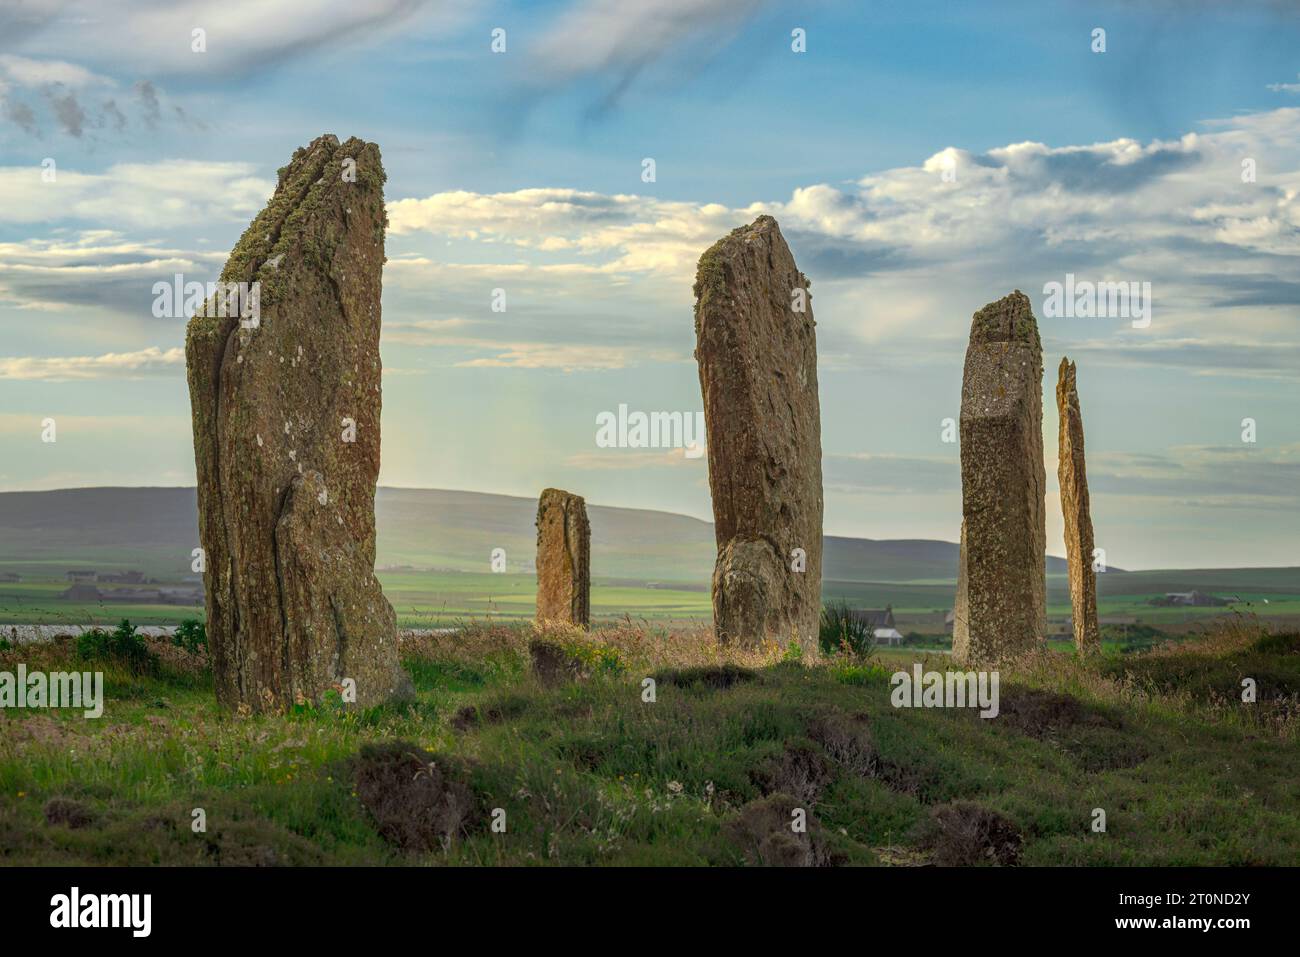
[432, 599]
[582, 769]
[840, 630]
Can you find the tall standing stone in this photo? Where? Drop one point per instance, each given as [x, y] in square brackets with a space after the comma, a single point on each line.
[756, 345]
[285, 404]
[1001, 605]
[563, 558]
[1078, 515]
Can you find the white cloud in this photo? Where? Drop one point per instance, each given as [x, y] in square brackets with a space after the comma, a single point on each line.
[899, 257]
[1240, 477]
[96, 268]
[155, 196]
[24, 71]
[1263, 359]
[620, 232]
[635, 459]
[903, 253]
[427, 325]
[1098, 193]
[541, 355]
[129, 365]
[567, 357]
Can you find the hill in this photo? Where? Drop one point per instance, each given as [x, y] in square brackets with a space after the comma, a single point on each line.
[155, 529]
[435, 547]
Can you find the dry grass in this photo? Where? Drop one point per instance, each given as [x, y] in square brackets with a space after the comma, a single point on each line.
[590, 772]
[60, 654]
[1198, 677]
[639, 646]
[1133, 681]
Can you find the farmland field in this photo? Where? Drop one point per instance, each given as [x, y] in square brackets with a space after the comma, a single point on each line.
[433, 551]
[433, 557]
[432, 599]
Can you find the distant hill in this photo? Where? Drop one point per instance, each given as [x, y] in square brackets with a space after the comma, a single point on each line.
[154, 530]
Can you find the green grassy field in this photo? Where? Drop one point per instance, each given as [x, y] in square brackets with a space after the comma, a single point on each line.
[584, 771]
[434, 546]
[430, 599]
[35, 602]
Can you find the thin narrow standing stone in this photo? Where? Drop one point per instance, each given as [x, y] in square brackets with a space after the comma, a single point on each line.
[756, 345]
[286, 444]
[1073, 477]
[1001, 605]
[563, 558]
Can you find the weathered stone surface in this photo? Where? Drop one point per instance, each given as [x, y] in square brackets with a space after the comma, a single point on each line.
[757, 355]
[1001, 605]
[563, 558]
[1078, 516]
[960, 605]
[286, 505]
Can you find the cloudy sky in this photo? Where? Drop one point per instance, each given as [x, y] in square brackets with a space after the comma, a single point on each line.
[922, 159]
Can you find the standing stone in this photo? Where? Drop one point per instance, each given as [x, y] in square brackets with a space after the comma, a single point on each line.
[962, 601]
[563, 558]
[1078, 516]
[756, 345]
[285, 407]
[1001, 605]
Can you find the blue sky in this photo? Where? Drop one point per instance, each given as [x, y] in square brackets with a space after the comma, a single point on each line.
[522, 170]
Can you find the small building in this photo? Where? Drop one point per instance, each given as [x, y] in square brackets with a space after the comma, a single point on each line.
[180, 596]
[881, 622]
[10, 577]
[1188, 598]
[142, 596]
[82, 575]
[122, 578]
[82, 592]
[890, 636]
[1061, 629]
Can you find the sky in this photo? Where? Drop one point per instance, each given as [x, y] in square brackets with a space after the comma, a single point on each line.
[922, 159]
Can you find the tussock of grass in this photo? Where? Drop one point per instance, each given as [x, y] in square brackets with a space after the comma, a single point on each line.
[705, 676]
[1201, 677]
[964, 834]
[582, 769]
[418, 801]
